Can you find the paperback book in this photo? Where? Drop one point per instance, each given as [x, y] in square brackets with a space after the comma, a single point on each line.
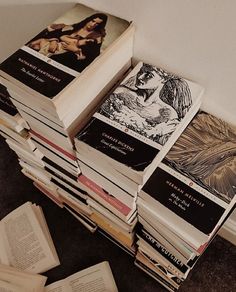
[57, 66]
[107, 200]
[193, 190]
[139, 121]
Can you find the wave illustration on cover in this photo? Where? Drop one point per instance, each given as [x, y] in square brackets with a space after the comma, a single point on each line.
[206, 152]
[151, 102]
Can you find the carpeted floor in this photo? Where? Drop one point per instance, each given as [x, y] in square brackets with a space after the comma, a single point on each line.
[78, 248]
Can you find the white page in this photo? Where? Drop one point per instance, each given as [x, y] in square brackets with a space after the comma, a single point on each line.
[97, 278]
[31, 282]
[24, 241]
[8, 287]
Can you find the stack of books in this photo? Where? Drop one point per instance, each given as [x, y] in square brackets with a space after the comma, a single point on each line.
[129, 134]
[59, 76]
[9, 114]
[186, 200]
[115, 143]
[136, 125]
[27, 250]
[55, 82]
[15, 130]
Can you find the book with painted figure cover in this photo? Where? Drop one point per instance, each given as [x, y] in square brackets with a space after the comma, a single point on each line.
[80, 48]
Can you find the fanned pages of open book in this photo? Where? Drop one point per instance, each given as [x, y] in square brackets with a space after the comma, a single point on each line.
[14, 280]
[93, 279]
[25, 241]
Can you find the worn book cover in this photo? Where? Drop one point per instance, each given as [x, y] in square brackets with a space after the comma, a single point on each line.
[59, 53]
[137, 119]
[197, 178]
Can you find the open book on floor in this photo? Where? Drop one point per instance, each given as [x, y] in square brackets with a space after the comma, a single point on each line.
[138, 123]
[25, 240]
[96, 278]
[14, 280]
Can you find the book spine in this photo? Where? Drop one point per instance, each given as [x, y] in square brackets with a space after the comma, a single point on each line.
[163, 251]
[172, 277]
[155, 276]
[118, 205]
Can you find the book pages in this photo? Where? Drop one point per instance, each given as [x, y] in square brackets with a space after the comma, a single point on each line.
[25, 243]
[12, 279]
[97, 278]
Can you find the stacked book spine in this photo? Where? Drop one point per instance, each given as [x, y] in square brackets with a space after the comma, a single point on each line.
[15, 130]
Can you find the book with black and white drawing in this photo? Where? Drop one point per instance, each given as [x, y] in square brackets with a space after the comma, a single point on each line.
[25, 241]
[193, 190]
[139, 121]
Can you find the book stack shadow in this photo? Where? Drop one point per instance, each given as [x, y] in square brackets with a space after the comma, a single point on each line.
[123, 147]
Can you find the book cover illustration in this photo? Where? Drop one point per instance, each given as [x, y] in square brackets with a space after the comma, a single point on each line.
[151, 102]
[5, 102]
[197, 178]
[53, 58]
[140, 115]
[206, 153]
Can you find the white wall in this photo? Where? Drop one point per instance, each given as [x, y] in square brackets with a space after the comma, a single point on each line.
[193, 38]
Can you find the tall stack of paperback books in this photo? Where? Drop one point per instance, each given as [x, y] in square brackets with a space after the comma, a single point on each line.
[116, 143]
[187, 199]
[130, 133]
[56, 81]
